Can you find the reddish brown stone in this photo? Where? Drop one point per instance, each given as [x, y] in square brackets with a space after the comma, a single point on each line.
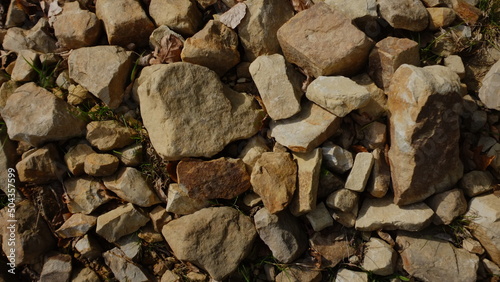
[333, 247]
[222, 178]
[466, 12]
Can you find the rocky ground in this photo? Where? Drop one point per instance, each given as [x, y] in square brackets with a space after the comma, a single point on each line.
[225, 140]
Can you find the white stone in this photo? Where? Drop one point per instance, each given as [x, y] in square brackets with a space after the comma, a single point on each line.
[320, 218]
[337, 158]
[489, 93]
[309, 168]
[360, 172]
[180, 203]
[380, 258]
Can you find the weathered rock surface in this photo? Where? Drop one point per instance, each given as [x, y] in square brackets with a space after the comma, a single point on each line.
[130, 246]
[100, 164]
[388, 55]
[179, 201]
[282, 233]
[120, 221]
[440, 17]
[336, 158]
[380, 180]
[160, 32]
[434, 259]
[379, 257]
[425, 131]
[22, 70]
[77, 225]
[473, 246]
[447, 206]
[34, 115]
[344, 200]
[258, 28]
[57, 268]
[75, 158]
[308, 37]
[489, 92]
[337, 94]
[75, 27]
[88, 247]
[40, 165]
[308, 171]
[223, 178]
[183, 16]
[306, 130]
[215, 47]
[274, 178]
[130, 185]
[360, 172]
[37, 38]
[131, 155]
[346, 275]
[109, 85]
[109, 134]
[384, 214]
[123, 269]
[15, 15]
[279, 85]
[85, 194]
[295, 274]
[319, 217]
[216, 239]
[376, 106]
[476, 182]
[252, 151]
[125, 22]
[182, 127]
[84, 275]
[361, 12]
[406, 14]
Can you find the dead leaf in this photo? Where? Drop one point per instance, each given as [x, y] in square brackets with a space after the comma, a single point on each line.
[301, 5]
[359, 149]
[232, 18]
[482, 161]
[169, 52]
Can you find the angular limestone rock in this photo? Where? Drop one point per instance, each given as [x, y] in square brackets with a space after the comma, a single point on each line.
[477, 182]
[85, 194]
[183, 16]
[77, 225]
[309, 168]
[360, 172]
[56, 268]
[447, 206]
[40, 165]
[100, 164]
[124, 269]
[332, 246]
[379, 258]
[180, 203]
[252, 151]
[119, 222]
[22, 70]
[404, 14]
[336, 158]
[75, 158]
[109, 134]
[489, 93]
[320, 217]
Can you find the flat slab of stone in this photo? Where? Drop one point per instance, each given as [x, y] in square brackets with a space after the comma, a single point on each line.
[179, 201]
[379, 257]
[360, 172]
[85, 194]
[382, 213]
[183, 16]
[120, 221]
[77, 225]
[124, 269]
[306, 130]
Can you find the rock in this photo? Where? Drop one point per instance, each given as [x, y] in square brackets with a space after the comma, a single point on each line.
[149, 235]
[274, 178]
[125, 22]
[346, 275]
[53, 119]
[472, 246]
[8, 159]
[75, 158]
[257, 30]
[215, 47]
[306, 130]
[425, 145]
[447, 206]
[84, 275]
[479, 119]
[279, 85]
[15, 15]
[185, 127]
[388, 55]
[360, 172]
[328, 183]
[206, 3]
[88, 247]
[124, 269]
[57, 268]
[489, 91]
[100, 164]
[337, 94]
[183, 16]
[435, 3]
[408, 14]
[109, 134]
[109, 85]
[33, 237]
[120, 221]
[131, 155]
[160, 32]
[22, 70]
[320, 217]
[75, 28]
[374, 135]
[215, 239]
[309, 168]
[347, 219]
[495, 151]
[466, 12]
[196, 277]
[336, 158]
[333, 247]
[159, 217]
[476, 182]
[484, 214]
[130, 245]
[295, 274]
[491, 267]
[384, 214]
[180, 203]
[379, 257]
[306, 40]
[422, 259]
[220, 178]
[85, 194]
[282, 233]
[344, 200]
[253, 150]
[37, 38]
[376, 106]
[130, 185]
[170, 276]
[40, 165]
[77, 225]
[455, 63]
[360, 12]
[440, 17]
[77, 94]
[7, 89]
[380, 180]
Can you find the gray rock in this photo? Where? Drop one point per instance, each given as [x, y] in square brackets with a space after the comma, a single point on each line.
[53, 119]
[447, 206]
[159, 217]
[123, 269]
[40, 165]
[336, 158]
[109, 134]
[306, 130]
[361, 12]
[180, 203]
[37, 38]
[186, 127]
[320, 217]
[360, 172]
[328, 183]
[407, 14]
[215, 239]
[183, 16]
[57, 268]
[379, 257]
[489, 91]
[22, 70]
[75, 158]
[77, 225]
[295, 274]
[85, 194]
[344, 200]
[346, 275]
[309, 168]
[384, 214]
[100, 164]
[491, 267]
[84, 275]
[130, 245]
[282, 233]
[15, 15]
[472, 246]
[120, 221]
[495, 151]
[88, 247]
[476, 182]
[279, 85]
[434, 259]
[112, 63]
[130, 185]
[131, 155]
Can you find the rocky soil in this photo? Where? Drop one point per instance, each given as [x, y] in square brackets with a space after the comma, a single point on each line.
[228, 140]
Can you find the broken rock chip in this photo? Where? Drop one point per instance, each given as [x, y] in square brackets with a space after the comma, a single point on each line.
[100, 164]
[223, 178]
[34, 115]
[77, 225]
[189, 113]
[57, 267]
[123, 269]
[306, 130]
[75, 158]
[180, 203]
[216, 239]
[121, 221]
[308, 171]
[40, 165]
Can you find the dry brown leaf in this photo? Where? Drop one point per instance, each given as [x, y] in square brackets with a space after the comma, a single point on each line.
[359, 149]
[301, 5]
[169, 52]
[232, 18]
[482, 161]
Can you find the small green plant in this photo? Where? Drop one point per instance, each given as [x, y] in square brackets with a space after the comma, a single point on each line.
[460, 228]
[45, 73]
